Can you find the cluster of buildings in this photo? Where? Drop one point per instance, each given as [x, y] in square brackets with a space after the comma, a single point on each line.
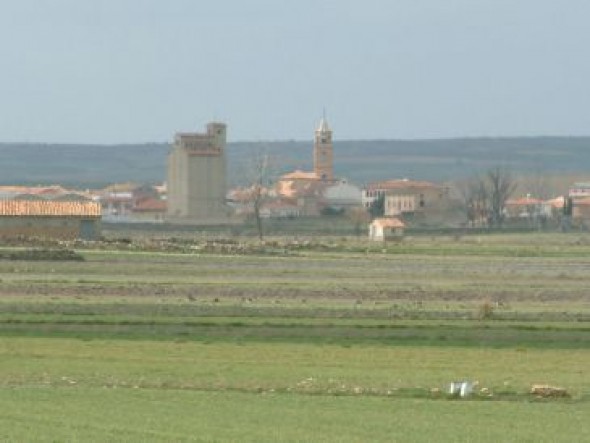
[196, 192]
[575, 206]
[303, 193]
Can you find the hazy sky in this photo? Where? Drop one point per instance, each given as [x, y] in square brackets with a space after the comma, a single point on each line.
[109, 71]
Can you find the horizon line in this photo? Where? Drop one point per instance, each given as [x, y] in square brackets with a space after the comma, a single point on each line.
[293, 140]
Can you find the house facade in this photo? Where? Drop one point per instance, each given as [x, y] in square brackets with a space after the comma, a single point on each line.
[580, 190]
[581, 211]
[280, 209]
[525, 208]
[404, 196]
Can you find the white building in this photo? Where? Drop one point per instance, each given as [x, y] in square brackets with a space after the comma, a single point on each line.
[382, 229]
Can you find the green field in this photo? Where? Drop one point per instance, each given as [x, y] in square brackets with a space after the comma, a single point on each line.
[327, 340]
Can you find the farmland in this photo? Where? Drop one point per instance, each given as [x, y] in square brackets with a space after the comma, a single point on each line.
[307, 340]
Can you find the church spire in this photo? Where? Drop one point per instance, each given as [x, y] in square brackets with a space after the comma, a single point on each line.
[323, 151]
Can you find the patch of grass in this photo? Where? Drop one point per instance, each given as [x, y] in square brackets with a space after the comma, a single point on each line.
[268, 329]
[291, 367]
[97, 414]
[335, 340]
[320, 393]
[337, 275]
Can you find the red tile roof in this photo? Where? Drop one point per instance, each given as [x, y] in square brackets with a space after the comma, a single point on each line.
[401, 184]
[524, 201]
[150, 205]
[34, 208]
[389, 222]
[37, 190]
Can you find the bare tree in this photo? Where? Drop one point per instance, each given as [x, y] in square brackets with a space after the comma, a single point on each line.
[500, 185]
[474, 194]
[484, 197]
[258, 177]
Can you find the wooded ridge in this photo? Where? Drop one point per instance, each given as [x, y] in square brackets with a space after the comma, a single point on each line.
[360, 161]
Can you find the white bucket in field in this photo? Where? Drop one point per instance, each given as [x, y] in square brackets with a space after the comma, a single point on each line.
[461, 388]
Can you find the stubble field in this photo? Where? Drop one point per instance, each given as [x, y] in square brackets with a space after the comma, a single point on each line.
[308, 341]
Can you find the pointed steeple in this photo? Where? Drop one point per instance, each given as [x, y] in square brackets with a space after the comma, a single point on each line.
[323, 126]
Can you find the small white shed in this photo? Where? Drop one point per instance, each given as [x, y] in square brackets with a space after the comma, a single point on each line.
[382, 229]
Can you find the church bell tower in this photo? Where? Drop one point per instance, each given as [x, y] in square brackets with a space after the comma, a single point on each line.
[323, 163]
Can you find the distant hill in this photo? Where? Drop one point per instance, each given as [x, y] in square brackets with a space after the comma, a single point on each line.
[360, 161]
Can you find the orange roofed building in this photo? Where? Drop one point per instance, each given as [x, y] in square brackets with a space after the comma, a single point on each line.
[62, 220]
[297, 184]
[301, 183]
[524, 207]
[149, 209]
